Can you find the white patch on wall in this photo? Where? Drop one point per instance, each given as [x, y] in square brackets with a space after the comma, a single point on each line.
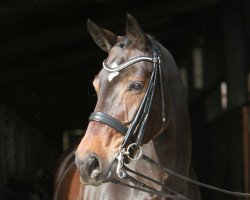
[223, 93]
[198, 67]
[184, 76]
[112, 75]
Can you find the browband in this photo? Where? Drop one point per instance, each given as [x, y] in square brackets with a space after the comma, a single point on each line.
[128, 63]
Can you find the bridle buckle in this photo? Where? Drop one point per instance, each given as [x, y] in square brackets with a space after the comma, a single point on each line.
[129, 152]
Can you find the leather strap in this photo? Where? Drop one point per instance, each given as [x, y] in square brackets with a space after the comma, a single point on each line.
[204, 185]
[138, 125]
[108, 120]
[127, 63]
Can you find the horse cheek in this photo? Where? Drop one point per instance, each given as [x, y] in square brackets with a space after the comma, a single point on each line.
[131, 105]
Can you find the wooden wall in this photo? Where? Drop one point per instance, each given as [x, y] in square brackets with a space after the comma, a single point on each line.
[27, 156]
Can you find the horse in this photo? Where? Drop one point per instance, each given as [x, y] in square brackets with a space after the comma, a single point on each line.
[66, 181]
[140, 122]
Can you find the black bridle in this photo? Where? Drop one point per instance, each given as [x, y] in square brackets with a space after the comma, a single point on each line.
[134, 133]
[136, 129]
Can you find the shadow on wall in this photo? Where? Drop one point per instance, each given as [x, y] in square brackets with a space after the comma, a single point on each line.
[19, 190]
[26, 160]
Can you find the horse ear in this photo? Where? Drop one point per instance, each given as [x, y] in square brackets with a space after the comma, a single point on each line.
[102, 37]
[135, 33]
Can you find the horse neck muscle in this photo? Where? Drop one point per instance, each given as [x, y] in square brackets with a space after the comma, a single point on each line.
[173, 146]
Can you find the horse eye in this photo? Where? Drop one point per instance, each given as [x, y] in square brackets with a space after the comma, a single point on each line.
[136, 86]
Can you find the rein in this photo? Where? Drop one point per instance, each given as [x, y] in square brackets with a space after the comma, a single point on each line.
[238, 194]
[123, 174]
[135, 132]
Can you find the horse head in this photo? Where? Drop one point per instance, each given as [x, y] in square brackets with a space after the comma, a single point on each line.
[128, 84]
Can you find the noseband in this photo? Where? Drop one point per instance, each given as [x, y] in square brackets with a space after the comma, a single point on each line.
[136, 129]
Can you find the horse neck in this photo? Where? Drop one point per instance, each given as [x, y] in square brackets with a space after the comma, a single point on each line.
[174, 144]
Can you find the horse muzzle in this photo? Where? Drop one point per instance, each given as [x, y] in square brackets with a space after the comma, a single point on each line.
[90, 169]
[93, 170]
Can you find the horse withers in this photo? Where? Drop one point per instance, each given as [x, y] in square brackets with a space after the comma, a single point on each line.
[141, 109]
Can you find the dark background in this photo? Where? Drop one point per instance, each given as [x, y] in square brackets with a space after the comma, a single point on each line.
[48, 61]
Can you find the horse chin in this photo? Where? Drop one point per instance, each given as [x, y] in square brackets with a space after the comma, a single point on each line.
[92, 182]
[112, 171]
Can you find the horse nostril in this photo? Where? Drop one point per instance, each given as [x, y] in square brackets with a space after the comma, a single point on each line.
[94, 166]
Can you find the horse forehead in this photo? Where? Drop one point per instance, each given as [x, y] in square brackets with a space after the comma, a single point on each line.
[108, 88]
[112, 75]
[119, 55]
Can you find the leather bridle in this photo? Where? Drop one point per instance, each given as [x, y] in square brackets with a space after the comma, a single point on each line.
[134, 133]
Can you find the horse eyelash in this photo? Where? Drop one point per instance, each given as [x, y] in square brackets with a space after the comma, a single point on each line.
[131, 89]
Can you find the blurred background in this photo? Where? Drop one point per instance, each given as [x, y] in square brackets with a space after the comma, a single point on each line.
[48, 62]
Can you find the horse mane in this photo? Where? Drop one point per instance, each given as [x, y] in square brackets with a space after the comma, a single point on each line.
[179, 127]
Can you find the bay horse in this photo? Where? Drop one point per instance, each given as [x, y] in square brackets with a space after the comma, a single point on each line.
[140, 118]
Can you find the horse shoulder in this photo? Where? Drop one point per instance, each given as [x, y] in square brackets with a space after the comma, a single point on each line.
[67, 185]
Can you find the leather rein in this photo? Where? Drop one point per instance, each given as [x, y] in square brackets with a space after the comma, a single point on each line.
[133, 134]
